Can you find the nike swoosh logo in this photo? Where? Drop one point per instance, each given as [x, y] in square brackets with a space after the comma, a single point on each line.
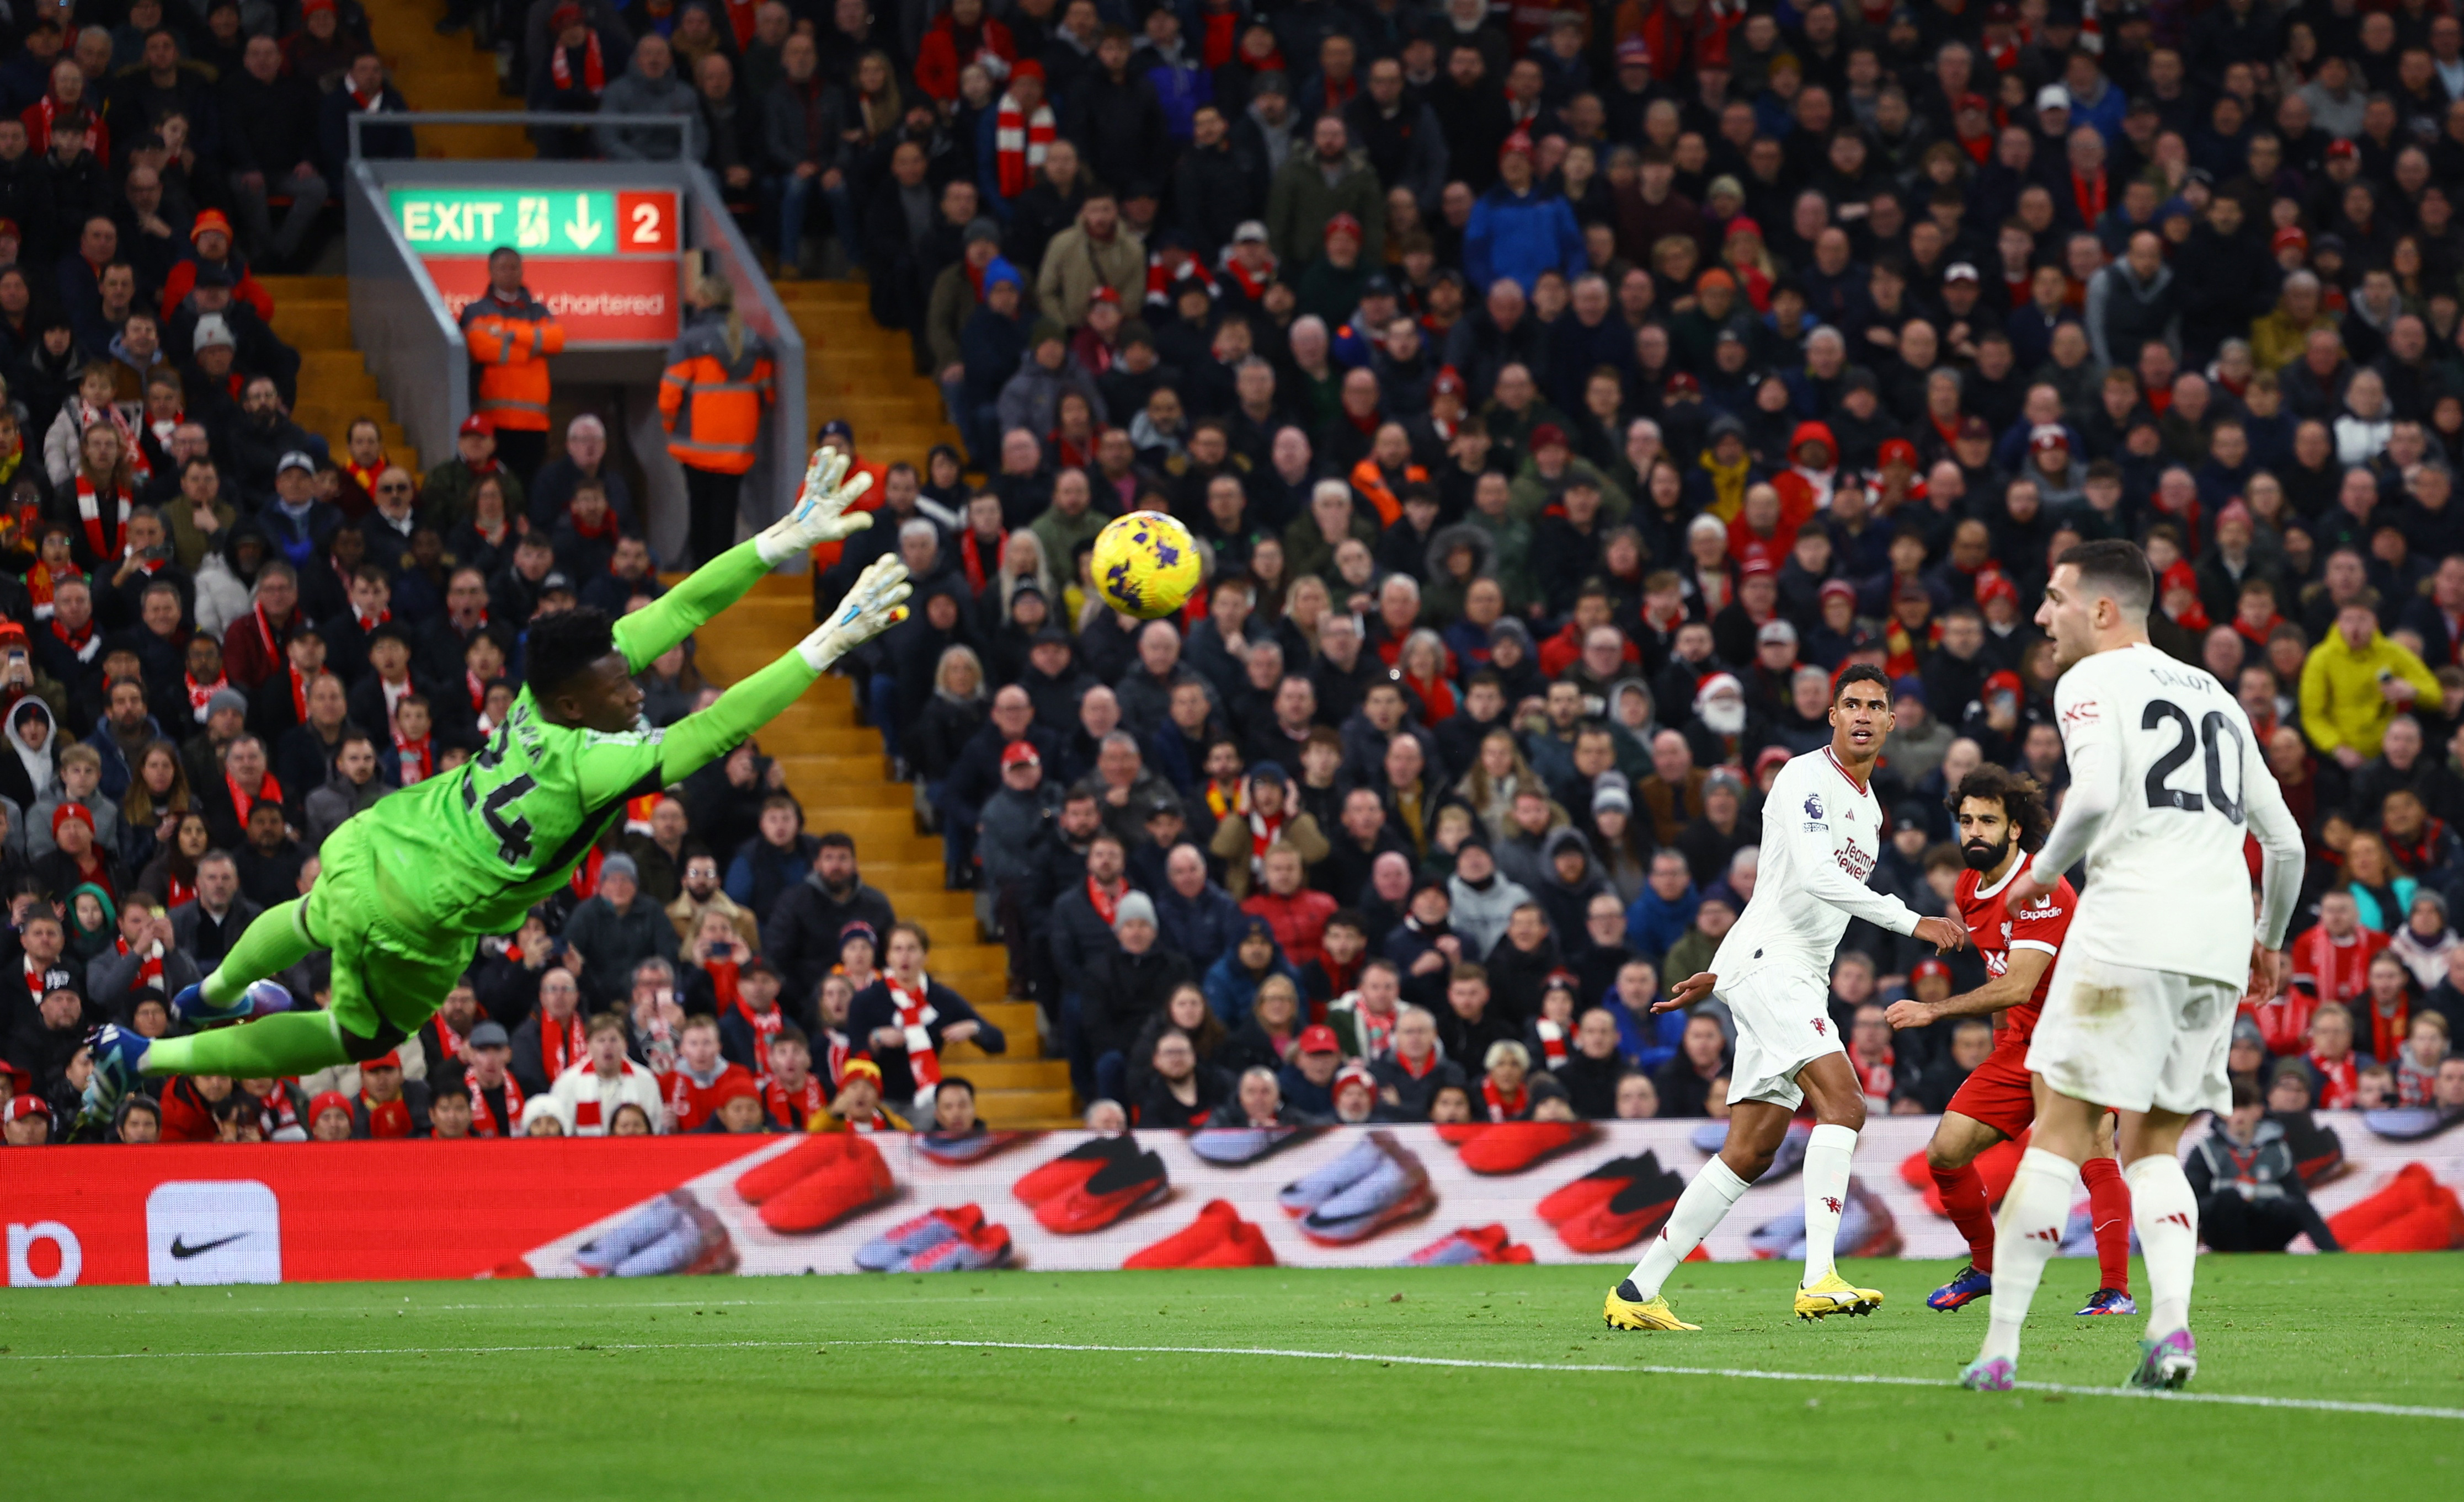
[181, 1250]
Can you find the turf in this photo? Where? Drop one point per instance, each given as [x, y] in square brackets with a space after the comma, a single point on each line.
[743, 1387]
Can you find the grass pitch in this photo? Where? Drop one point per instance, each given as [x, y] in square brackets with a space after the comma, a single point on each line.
[738, 1387]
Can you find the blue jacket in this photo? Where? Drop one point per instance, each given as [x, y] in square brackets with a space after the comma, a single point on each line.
[1231, 991]
[1647, 1041]
[1520, 237]
[116, 773]
[1652, 925]
[1201, 928]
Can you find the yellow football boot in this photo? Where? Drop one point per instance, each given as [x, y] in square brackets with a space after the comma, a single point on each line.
[1640, 1314]
[1833, 1294]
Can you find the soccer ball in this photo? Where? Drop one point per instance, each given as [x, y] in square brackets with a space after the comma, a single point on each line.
[1146, 565]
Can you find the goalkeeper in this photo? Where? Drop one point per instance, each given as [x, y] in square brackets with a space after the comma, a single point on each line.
[409, 886]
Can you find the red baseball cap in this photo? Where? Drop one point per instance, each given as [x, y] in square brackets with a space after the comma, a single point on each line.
[477, 423]
[1320, 1039]
[1342, 224]
[1993, 583]
[1928, 966]
[2047, 437]
[1020, 753]
[2289, 235]
[390, 1058]
[20, 1107]
[1547, 435]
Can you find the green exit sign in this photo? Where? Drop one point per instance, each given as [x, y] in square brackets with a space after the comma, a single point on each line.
[452, 221]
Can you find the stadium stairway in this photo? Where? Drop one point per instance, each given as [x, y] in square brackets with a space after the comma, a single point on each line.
[445, 73]
[312, 315]
[857, 370]
[834, 768]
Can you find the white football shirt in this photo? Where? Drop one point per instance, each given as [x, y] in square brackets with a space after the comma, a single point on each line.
[2167, 780]
[1822, 832]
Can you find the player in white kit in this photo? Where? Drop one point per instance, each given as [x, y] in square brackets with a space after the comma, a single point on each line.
[1822, 832]
[2165, 779]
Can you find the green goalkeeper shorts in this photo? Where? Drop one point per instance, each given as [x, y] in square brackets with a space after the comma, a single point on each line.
[391, 966]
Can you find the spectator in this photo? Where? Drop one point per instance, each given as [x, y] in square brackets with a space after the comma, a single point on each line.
[592, 1088]
[800, 935]
[2250, 1190]
[650, 86]
[1123, 987]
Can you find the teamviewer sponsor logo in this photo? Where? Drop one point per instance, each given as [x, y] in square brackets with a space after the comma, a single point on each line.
[213, 1230]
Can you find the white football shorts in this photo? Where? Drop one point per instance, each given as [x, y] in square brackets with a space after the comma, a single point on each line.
[2134, 1039]
[1782, 1024]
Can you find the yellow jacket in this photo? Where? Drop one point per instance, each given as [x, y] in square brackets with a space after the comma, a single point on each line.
[2340, 702]
[2275, 341]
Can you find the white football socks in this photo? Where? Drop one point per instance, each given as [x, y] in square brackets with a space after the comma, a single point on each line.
[2166, 1215]
[1699, 1211]
[2028, 1236]
[1827, 1153]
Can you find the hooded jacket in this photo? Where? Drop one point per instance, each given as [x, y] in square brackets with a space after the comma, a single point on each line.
[1566, 903]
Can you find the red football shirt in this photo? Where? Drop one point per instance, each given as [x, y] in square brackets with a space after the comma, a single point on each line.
[693, 1104]
[1995, 931]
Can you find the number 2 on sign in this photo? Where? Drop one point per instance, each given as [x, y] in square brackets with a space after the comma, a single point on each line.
[646, 221]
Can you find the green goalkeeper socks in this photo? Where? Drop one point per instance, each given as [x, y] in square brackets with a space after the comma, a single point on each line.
[275, 942]
[290, 1043]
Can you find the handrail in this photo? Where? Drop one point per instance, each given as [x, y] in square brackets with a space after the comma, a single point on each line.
[684, 125]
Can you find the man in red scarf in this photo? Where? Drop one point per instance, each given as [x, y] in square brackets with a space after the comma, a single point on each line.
[792, 1095]
[388, 1107]
[495, 1097]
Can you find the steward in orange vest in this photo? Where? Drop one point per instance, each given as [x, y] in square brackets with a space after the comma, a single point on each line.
[511, 335]
[720, 378]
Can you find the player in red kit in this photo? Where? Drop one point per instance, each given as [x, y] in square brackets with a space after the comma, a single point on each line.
[2002, 819]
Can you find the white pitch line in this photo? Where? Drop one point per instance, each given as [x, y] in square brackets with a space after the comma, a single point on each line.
[1733, 1373]
[1738, 1373]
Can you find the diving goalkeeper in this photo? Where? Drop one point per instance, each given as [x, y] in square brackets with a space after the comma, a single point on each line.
[408, 887]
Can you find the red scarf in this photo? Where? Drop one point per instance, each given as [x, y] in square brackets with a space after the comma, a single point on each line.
[2337, 1082]
[299, 695]
[35, 979]
[149, 971]
[417, 757]
[265, 629]
[765, 1025]
[179, 891]
[1020, 142]
[971, 553]
[836, 1051]
[1377, 1034]
[916, 1015]
[246, 802]
[1262, 832]
[740, 20]
[366, 475]
[275, 1113]
[1876, 1079]
[1252, 287]
[1552, 1042]
[2388, 1030]
[81, 641]
[200, 695]
[594, 67]
[366, 101]
[1106, 903]
[450, 1044]
[478, 690]
[1421, 1071]
[560, 1048]
[793, 1111]
[1500, 1107]
[90, 511]
[483, 1120]
[723, 985]
[2090, 194]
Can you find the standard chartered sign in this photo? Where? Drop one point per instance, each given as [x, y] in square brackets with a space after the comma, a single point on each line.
[474, 221]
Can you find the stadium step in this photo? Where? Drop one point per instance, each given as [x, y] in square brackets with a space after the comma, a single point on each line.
[313, 314]
[836, 770]
[445, 73]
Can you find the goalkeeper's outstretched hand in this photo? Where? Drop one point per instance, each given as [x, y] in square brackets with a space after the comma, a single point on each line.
[819, 514]
[876, 603]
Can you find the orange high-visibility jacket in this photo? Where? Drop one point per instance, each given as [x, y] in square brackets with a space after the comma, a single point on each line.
[710, 406]
[509, 342]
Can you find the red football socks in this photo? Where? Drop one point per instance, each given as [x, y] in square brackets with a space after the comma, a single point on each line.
[1963, 1200]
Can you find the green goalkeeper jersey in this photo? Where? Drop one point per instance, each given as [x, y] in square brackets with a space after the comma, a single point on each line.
[473, 850]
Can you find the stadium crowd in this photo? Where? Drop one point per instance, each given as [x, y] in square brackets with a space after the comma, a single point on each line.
[1561, 395]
